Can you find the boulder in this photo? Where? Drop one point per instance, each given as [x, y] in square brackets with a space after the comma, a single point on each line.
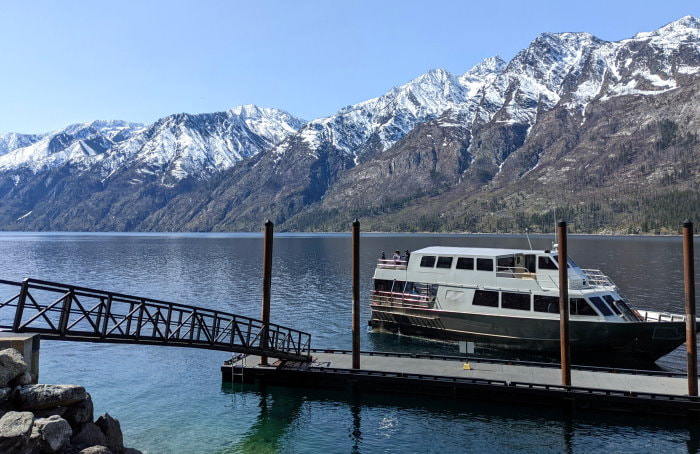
[54, 433]
[80, 413]
[4, 395]
[59, 411]
[113, 432]
[96, 450]
[11, 365]
[89, 435]
[37, 397]
[22, 379]
[15, 431]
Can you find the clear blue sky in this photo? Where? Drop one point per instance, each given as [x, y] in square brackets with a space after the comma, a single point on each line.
[74, 61]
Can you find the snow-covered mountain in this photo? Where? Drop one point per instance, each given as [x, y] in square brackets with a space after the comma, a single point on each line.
[497, 120]
[13, 141]
[179, 145]
[376, 124]
[79, 144]
[184, 145]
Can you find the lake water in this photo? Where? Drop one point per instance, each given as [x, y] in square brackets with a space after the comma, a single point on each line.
[171, 400]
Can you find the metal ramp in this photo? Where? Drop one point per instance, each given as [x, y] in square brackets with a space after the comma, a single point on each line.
[65, 312]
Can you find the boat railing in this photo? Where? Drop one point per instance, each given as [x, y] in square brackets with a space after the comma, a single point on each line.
[392, 264]
[398, 299]
[652, 316]
[596, 278]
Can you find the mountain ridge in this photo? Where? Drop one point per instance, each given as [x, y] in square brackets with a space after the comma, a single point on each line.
[437, 139]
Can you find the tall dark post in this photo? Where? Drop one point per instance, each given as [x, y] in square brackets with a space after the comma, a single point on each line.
[267, 283]
[690, 327]
[356, 294]
[564, 306]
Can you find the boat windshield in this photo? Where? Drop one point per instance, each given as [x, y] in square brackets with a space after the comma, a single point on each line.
[569, 263]
[601, 306]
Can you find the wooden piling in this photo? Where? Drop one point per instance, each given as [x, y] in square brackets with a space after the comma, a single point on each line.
[356, 294]
[564, 346]
[267, 283]
[690, 327]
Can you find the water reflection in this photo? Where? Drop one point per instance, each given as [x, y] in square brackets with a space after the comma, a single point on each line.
[309, 420]
[277, 412]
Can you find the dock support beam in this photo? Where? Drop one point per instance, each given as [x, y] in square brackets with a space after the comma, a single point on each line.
[690, 328]
[356, 294]
[564, 306]
[267, 283]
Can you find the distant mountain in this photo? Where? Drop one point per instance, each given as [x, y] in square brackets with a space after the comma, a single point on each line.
[13, 141]
[111, 175]
[604, 132]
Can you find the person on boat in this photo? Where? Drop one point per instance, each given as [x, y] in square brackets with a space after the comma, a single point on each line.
[397, 256]
[383, 256]
[408, 254]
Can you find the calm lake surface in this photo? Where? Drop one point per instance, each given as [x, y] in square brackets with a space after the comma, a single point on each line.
[171, 400]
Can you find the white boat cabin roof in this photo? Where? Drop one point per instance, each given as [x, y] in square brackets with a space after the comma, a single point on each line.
[474, 251]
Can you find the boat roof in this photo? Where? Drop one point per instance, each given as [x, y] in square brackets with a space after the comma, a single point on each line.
[474, 251]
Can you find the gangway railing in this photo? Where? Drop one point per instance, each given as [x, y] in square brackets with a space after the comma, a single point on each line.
[65, 312]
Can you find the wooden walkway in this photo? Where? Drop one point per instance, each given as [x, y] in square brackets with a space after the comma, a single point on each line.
[646, 392]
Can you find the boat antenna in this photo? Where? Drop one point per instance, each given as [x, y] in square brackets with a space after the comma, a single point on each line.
[528, 237]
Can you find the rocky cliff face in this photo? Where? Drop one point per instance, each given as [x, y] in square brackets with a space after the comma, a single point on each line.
[604, 131]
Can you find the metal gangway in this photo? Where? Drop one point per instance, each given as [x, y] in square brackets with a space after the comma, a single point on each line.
[66, 312]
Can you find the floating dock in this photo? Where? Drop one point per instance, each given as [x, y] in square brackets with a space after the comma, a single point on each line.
[538, 384]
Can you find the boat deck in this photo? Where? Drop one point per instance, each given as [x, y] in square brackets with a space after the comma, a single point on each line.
[604, 389]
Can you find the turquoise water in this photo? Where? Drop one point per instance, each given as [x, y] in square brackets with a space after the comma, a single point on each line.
[171, 400]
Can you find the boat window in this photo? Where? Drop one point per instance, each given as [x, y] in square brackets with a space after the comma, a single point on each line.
[569, 263]
[611, 302]
[546, 263]
[444, 262]
[506, 262]
[601, 306]
[381, 285]
[484, 264]
[579, 306]
[631, 315]
[519, 301]
[427, 261]
[546, 304]
[465, 263]
[485, 298]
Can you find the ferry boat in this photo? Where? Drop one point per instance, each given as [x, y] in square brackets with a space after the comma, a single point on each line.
[509, 298]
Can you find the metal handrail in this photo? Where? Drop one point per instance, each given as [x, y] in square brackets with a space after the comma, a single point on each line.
[401, 299]
[118, 317]
[392, 264]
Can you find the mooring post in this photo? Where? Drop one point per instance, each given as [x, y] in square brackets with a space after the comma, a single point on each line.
[564, 306]
[690, 327]
[356, 294]
[267, 283]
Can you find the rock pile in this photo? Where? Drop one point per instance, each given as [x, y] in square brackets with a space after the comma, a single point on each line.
[51, 418]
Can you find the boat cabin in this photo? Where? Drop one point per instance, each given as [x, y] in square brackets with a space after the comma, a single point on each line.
[502, 281]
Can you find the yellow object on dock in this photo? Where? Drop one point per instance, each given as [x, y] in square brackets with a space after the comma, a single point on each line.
[467, 366]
